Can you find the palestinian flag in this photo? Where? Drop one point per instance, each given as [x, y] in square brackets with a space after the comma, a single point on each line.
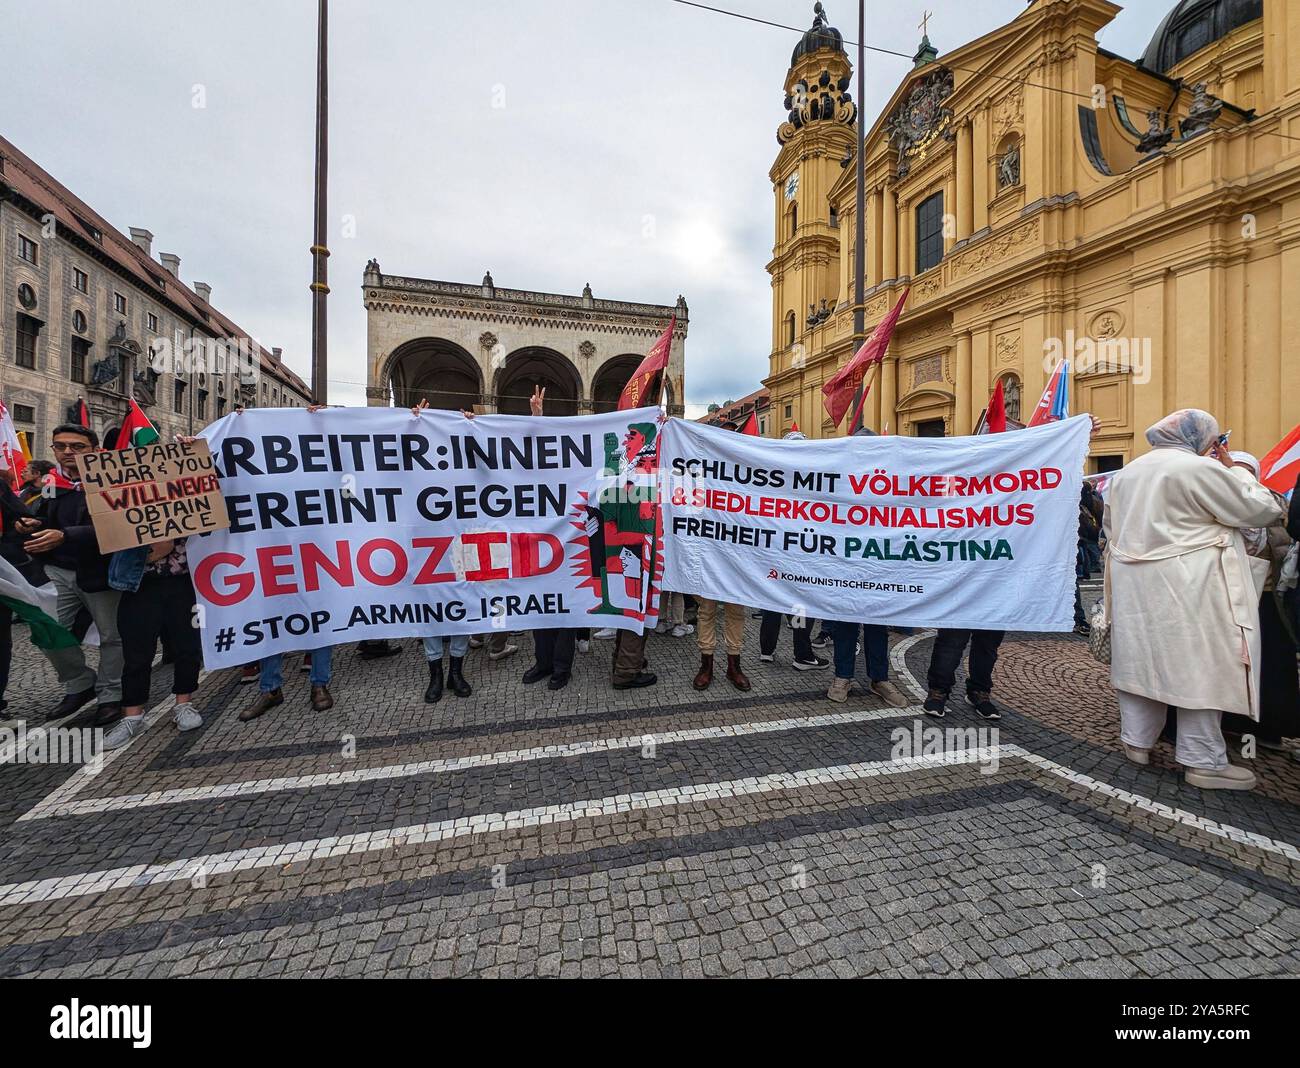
[136, 430]
[35, 607]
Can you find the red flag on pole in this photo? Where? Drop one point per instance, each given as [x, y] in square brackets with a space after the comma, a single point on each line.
[1052, 405]
[751, 425]
[83, 413]
[638, 386]
[794, 428]
[1280, 467]
[995, 419]
[837, 394]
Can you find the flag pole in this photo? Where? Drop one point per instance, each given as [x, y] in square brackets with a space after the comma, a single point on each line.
[319, 252]
[859, 217]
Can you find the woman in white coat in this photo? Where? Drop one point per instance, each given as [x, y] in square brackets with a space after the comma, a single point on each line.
[1183, 600]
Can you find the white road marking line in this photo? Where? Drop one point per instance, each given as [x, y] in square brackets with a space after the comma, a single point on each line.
[222, 791]
[139, 875]
[898, 661]
[84, 776]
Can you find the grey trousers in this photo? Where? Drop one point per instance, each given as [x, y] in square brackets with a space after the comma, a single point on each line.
[74, 673]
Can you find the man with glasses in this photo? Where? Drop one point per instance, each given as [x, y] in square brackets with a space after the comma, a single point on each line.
[63, 540]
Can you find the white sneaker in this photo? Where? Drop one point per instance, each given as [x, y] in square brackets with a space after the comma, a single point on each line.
[584, 646]
[683, 629]
[1136, 755]
[509, 649]
[123, 731]
[767, 658]
[604, 634]
[186, 718]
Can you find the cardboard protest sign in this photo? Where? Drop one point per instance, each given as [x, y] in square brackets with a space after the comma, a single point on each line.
[152, 493]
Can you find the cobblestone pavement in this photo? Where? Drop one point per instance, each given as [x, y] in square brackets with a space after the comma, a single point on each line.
[655, 832]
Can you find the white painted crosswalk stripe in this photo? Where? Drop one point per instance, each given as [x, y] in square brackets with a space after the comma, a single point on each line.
[247, 788]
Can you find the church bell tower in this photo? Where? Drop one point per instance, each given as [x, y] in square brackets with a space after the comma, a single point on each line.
[817, 139]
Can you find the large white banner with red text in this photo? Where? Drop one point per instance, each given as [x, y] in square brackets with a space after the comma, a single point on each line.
[976, 532]
[356, 523]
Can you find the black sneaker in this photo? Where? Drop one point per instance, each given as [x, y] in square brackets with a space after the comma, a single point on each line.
[811, 665]
[933, 705]
[822, 641]
[982, 705]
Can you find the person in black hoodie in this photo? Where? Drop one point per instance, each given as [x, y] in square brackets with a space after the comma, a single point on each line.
[67, 549]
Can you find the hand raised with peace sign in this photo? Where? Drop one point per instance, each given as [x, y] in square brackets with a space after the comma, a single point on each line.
[535, 401]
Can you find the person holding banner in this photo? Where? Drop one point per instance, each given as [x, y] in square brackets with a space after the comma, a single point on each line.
[1182, 595]
[157, 598]
[67, 548]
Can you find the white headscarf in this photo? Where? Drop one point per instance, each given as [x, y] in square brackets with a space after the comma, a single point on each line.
[1189, 429]
[1247, 459]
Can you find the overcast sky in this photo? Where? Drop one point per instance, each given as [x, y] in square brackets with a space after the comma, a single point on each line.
[624, 143]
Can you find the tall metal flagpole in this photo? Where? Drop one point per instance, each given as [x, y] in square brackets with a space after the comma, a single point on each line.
[319, 253]
[859, 215]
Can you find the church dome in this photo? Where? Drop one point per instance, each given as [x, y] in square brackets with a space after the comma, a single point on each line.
[1194, 24]
[819, 36]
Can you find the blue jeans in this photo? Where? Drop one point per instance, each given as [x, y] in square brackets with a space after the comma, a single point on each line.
[433, 646]
[273, 678]
[875, 644]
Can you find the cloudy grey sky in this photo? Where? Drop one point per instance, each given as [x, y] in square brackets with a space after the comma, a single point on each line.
[624, 143]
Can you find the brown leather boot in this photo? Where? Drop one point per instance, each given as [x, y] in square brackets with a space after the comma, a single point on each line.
[321, 701]
[734, 675]
[264, 702]
[705, 674]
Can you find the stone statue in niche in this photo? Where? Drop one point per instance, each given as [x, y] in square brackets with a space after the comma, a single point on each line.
[1009, 167]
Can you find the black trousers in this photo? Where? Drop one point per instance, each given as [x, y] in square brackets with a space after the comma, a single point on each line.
[769, 635]
[164, 604]
[553, 650]
[948, 647]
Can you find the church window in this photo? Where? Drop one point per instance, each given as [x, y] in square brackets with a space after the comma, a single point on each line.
[794, 219]
[789, 328]
[929, 232]
[835, 216]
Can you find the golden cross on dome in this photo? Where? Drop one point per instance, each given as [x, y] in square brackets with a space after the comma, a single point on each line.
[924, 24]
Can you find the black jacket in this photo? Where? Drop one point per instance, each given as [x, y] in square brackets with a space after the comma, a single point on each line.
[67, 511]
[12, 509]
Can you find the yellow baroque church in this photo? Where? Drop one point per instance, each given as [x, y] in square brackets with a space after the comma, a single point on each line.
[1045, 198]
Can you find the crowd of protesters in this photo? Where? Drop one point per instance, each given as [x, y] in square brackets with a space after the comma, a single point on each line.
[1199, 567]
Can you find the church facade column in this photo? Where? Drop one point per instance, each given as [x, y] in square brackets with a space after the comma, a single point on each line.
[965, 183]
[889, 236]
[962, 385]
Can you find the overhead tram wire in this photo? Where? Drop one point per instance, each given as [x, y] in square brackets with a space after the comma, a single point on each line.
[952, 66]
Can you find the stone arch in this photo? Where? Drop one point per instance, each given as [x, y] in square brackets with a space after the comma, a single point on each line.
[435, 370]
[537, 366]
[608, 384]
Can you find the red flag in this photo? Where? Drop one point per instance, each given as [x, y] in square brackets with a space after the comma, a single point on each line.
[638, 386]
[1280, 467]
[995, 419]
[794, 428]
[83, 413]
[838, 392]
[751, 425]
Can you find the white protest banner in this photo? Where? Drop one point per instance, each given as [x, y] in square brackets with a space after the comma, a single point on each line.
[976, 532]
[356, 523]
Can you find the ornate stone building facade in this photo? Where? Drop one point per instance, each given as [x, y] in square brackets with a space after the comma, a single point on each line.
[1043, 197]
[459, 345]
[86, 312]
